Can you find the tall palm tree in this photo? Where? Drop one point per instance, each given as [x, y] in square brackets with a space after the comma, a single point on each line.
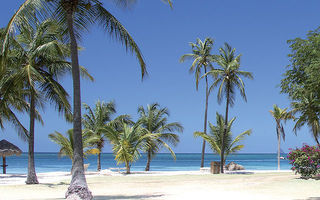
[67, 144]
[308, 108]
[128, 142]
[215, 137]
[95, 121]
[280, 115]
[10, 102]
[202, 59]
[40, 60]
[228, 79]
[77, 16]
[154, 120]
[12, 97]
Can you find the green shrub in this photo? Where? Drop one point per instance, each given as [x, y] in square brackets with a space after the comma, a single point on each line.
[305, 161]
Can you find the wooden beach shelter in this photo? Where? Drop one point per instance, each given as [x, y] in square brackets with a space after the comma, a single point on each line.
[7, 149]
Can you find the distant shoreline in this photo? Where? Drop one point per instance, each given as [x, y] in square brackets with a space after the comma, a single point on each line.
[175, 153]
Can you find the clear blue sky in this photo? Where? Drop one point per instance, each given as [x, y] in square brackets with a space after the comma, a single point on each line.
[257, 29]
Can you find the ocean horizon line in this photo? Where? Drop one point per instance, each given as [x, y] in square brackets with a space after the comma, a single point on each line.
[177, 153]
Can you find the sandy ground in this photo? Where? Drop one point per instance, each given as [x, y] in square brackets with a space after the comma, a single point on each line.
[263, 185]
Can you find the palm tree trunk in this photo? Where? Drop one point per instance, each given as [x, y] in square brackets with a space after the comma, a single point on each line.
[32, 176]
[205, 120]
[99, 158]
[4, 165]
[148, 160]
[78, 187]
[128, 167]
[316, 137]
[99, 162]
[279, 139]
[225, 132]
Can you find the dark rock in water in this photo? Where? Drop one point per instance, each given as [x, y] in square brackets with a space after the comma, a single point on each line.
[232, 166]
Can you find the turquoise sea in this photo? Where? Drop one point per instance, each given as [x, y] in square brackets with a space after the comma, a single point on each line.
[49, 162]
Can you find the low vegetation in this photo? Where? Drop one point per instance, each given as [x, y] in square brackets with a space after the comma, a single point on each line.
[305, 160]
[214, 138]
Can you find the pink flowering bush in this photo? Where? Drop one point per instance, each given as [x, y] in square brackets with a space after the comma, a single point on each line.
[305, 161]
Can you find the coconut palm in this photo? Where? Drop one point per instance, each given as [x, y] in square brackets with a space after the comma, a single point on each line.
[128, 142]
[202, 59]
[77, 16]
[11, 101]
[40, 60]
[214, 138]
[67, 144]
[94, 122]
[228, 79]
[280, 115]
[12, 98]
[154, 120]
[308, 108]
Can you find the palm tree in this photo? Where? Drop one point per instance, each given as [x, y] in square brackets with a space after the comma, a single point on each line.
[67, 145]
[12, 101]
[77, 16]
[12, 98]
[202, 59]
[229, 78]
[154, 120]
[216, 134]
[95, 121]
[280, 115]
[40, 61]
[128, 142]
[308, 107]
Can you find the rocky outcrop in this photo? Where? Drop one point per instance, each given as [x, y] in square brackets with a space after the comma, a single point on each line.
[232, 166]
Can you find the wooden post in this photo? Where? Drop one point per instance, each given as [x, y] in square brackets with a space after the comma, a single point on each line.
[214, 169]
[4, 164]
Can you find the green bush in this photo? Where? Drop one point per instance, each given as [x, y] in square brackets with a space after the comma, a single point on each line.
[305, 161]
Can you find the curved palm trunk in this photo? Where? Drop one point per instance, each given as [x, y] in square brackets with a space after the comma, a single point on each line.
[148, 160]
[315, 134]
[32, 176]
[224, 133]
[78, 187]
[205, 121]
[279, 141]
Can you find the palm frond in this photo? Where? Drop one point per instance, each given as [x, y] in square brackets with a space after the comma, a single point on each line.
[214, 138]
[210, 140]
[117, 30]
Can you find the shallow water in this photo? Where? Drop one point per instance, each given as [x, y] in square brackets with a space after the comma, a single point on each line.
[48, 162]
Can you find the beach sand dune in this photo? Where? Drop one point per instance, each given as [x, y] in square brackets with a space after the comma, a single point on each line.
[172, 185]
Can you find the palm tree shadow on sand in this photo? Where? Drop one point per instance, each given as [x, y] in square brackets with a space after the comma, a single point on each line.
[13, 176]
[310, 198]
[104, 197]
[317, 178]
[54, 185]
[123, 197]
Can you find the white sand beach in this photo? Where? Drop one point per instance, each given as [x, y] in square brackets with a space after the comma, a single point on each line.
[167, 185]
